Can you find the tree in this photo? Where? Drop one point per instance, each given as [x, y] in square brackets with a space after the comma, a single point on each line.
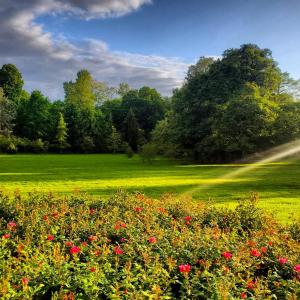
[148, 107]
[7, 114]
[197, 104]
[201, 67]
[62, 133]
[11, 82]
[131, 130]
[103, 92]
[123, 89]
[33, 114]
[80, 92]
[116, 141]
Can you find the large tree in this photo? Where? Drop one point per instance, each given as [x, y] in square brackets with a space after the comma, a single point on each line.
[131, 130]
[11, 82]
[199, 105]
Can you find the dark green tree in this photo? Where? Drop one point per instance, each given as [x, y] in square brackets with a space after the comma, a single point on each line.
[131, 130]
[7, 114]
[11, 82]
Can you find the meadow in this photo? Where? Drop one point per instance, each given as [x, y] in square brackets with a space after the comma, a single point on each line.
[277, 184]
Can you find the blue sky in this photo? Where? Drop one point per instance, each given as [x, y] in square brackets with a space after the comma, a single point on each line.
[159, 35]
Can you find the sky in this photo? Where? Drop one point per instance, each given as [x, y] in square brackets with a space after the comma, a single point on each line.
[141, 42]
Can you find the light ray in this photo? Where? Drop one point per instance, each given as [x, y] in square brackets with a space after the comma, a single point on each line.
[269, 156]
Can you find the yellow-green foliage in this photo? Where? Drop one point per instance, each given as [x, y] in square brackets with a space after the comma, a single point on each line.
[133, 247]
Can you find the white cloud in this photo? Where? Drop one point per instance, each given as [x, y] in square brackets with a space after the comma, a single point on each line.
[47, 61]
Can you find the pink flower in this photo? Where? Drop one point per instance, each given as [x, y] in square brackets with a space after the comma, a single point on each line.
[25, 281]
[50, 237]
[6, 236]
[282, 260]
[255, 252]
[297, 268]
[12, 224]
[69, 244]
[118, 250]
[185, 268]
[227, 255]
[152, 240]
[122, 240]
[74, 250]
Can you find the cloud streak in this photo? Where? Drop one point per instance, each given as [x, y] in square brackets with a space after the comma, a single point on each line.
[46, 61]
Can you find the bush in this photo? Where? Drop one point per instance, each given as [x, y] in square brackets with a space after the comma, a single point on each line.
[148, 153]
[129, 152]
[133, 247]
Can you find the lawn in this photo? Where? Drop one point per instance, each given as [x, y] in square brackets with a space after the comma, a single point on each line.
[277, 183]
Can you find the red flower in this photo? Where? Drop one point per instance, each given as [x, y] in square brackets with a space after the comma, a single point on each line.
[12, 224]
[264, 249]
[97, 253]
[187, 222]
[93, 269]
[92, 211]
[25, 281]
[227, 255]
[6, 236]
[188, 218]
[74, 250]
[251, 285]
[55, 215]
[118, 250]
[243, 295]
[50, 237]
[255, 252]
[84, 244]
[69, 244]
[282, 260]
[45, 218]
[270, 244]
[92, 238]
[152, 240]
[297, 268]
[185, 268]
[138, 209]
[120, 225]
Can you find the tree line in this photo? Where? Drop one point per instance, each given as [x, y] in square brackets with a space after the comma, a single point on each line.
[226, 109]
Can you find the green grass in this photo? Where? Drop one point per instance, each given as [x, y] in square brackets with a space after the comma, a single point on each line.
[278, 184]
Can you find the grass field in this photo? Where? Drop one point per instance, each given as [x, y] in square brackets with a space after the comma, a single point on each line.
[278, 184]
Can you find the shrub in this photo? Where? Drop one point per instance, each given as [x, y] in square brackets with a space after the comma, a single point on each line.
[148, 152]
[133, 247]
[129, 152]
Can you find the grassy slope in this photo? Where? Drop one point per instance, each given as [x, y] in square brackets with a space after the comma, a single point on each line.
[277, 184]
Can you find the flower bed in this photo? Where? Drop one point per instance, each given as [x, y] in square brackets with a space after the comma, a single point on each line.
[133, 247]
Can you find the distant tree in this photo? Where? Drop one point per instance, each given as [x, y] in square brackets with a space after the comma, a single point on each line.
[80, 92]
[116, 141]
[33, 117]
[201, 67]
[11, 82]
[148, 152]
[123, 89]
[103, 92]
[148, 107]
[131, 130]
[7, 114]
[62, 133]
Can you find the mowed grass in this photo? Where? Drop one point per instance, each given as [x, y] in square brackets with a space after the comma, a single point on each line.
[278, 184]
